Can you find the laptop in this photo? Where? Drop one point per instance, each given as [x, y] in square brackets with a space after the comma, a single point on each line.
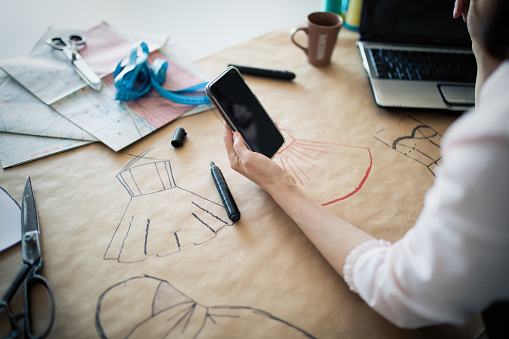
[416, 55]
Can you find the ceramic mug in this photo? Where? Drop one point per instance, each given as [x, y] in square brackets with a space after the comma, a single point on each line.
[322, 31]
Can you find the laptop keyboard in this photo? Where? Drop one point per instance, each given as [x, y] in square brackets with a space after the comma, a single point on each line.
[420, 65]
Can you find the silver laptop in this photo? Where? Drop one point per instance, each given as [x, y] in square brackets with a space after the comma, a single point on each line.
[416, 55]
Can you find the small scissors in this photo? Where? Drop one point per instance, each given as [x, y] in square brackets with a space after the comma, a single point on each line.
[28, 276]
[69, 45]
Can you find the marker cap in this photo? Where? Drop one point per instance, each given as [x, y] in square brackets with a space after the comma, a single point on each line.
[178, 137]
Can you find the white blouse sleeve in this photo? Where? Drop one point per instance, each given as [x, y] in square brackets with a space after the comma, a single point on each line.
[455, 261]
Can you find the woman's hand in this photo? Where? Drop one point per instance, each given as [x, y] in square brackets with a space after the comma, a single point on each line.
[461, 8]
[255, 166]
[475, 13]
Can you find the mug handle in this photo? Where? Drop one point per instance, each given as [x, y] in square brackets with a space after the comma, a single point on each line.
[292, 33]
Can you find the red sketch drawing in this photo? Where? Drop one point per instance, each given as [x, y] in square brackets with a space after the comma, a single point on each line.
[337, 170]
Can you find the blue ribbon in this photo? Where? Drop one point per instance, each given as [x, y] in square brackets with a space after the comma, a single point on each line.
[137, 78]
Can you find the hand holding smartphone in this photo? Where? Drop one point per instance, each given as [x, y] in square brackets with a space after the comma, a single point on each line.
[240, 107]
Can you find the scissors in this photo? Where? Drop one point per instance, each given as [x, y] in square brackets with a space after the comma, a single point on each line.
[69, 45]
[28, 276]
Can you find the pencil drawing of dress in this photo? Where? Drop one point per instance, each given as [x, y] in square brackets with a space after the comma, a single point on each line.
[148, 307]
[419, 142]
[161, 217]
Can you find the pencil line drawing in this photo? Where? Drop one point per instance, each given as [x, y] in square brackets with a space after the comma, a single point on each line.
[420, 142]
[162, 311]
[161, 217]
[301, 158]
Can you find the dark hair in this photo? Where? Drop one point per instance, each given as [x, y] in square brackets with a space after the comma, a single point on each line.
[495, 30]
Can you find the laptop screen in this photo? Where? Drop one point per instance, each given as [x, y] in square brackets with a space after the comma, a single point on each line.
[428, 22]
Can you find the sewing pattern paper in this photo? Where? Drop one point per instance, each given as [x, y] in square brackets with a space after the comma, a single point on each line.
[43, 96]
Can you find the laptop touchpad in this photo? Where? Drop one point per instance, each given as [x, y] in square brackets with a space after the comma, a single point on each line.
[458, 95]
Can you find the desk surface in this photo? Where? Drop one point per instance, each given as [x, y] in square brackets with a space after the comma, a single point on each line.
[137, 235]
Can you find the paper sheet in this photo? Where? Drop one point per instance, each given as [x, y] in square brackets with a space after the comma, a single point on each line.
[22, 113]
[149, 219]
[17, 149]
[10, 220]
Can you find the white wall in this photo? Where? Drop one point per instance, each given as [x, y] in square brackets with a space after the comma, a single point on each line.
[201, 27]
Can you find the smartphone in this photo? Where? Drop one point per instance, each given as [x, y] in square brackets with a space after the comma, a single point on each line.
[240, 107]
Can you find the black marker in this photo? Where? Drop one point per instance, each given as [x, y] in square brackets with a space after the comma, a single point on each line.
[226, 196]
[269, 73]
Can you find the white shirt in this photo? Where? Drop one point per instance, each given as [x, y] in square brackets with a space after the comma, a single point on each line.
[455, 261]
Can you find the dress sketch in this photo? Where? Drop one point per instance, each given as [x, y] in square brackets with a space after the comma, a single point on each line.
[307, 161]
[161, 217]
[148, 307]
[420, 142]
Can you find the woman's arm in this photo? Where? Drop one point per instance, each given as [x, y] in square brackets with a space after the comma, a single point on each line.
[331, 235]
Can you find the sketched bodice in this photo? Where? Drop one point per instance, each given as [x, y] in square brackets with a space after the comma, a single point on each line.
[147, 178]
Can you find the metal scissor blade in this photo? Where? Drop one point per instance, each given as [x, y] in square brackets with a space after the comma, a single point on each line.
[83, 69]
[30, 237]
[86, 73]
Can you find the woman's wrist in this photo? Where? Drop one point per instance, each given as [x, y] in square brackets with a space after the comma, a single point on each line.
[281, 185]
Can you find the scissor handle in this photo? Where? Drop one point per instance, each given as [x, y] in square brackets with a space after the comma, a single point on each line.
[15, 331]
[33, 279]
[72, 41]
[28, 278]
[5, 303]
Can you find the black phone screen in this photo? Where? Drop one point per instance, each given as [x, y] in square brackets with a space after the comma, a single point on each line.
[246, 113]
